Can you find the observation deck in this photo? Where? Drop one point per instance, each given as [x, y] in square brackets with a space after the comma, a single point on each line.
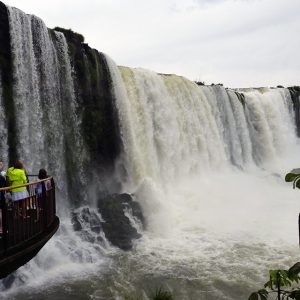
[27, 224]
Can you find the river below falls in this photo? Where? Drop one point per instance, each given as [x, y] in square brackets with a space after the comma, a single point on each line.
[214, 239]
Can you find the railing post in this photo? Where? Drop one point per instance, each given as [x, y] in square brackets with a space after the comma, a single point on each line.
[4, 226]
[27, 217]
[53, 197]
[44, 200]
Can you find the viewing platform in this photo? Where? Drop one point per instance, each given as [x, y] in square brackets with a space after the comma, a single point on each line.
[26, 224]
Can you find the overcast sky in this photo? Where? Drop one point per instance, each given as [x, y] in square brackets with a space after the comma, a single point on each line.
[240, 43]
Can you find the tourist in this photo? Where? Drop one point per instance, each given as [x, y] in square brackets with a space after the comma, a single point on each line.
[16, 176]
[43, 175]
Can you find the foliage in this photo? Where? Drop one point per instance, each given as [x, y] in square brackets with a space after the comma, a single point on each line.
[159, 294]
[280, 282]
[294, 177]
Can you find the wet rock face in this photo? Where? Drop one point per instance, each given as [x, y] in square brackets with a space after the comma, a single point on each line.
[95, 100]
[117, 212]
[117, 227]
[295, 94]
[99, 122]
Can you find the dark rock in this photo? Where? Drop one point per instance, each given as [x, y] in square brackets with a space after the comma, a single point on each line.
[117, 226]
[114, 223]
[88, 224]
[71, 35]
[96, 105]
[10, 280]
[75, 222]
[295, 94]
[241, 98]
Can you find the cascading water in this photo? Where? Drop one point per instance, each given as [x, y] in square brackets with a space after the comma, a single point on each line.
[207, 169]
[205, 163]
[49, 136]
[272, 131]
[27, 98]
[44, 97]
[173, 128]
[3, 129]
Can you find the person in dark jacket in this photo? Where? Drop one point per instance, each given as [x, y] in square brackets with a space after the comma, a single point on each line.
[43, 175]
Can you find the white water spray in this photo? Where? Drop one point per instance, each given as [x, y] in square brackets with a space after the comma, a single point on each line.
[182, 145]
[3, 128]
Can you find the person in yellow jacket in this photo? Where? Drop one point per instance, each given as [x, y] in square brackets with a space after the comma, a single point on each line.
[16, 176]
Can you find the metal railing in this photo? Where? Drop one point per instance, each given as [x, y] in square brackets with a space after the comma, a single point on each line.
[24, 219]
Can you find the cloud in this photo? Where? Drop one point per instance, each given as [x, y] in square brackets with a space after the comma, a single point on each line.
[238, 42]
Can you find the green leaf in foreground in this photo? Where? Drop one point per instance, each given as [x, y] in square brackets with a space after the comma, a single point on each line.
[294, 177]
[160, 294]
[259, 295]
[289, 177]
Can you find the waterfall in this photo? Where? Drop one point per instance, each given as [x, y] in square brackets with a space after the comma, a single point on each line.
[49, 135]
[3, 129]
[171, 127]
[26, 89]
[204, 162]
[47, 121]
[207, 164]
[271, 124]
[180, 139]
[168, 126]
[243, 155]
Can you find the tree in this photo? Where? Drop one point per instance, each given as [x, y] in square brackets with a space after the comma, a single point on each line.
[282, 279]
[280, 283]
